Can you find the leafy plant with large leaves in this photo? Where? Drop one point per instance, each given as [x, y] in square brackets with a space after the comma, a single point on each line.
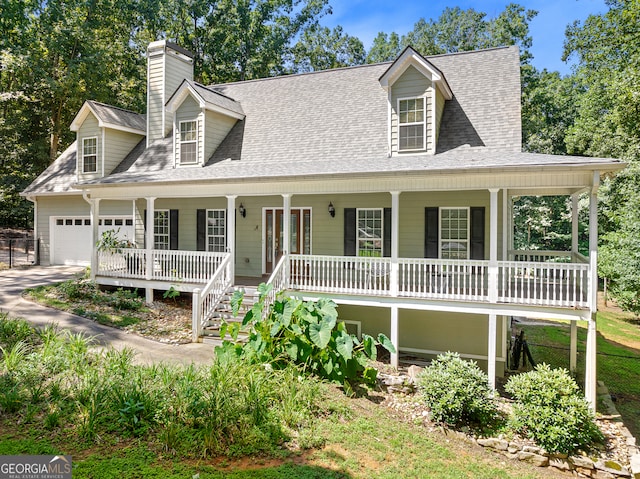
[306, 333]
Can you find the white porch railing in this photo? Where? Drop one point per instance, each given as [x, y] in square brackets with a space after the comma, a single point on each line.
[556, 284]
[444, 279]
[205, 301]
[340, 274]
[540, 256]
[168, 265]
[545, 284]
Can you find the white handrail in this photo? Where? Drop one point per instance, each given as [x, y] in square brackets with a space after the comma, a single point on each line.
[205, 301]
[278, 280]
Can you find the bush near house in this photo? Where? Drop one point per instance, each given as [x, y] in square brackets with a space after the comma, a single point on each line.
[457, 392]
[551, 410]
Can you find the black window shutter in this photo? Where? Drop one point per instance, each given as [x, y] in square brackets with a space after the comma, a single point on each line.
[144, 222]
[386, 225]
[477, 233]
[173, 229]
[201, 230]
[350, 232]
[431, 232]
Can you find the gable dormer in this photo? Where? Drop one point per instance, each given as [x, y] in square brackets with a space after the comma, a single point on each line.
[104, 136]
[202, 118]
[417, 91]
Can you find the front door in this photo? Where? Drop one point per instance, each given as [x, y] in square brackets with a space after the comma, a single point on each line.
[274, 234]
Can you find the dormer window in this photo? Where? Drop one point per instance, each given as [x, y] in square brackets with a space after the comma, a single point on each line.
[90, 155]
[188, 142]
[412, 124]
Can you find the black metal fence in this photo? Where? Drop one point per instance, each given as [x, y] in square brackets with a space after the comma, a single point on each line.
[19, 251]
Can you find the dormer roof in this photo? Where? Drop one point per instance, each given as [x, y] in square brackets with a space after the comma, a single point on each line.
[207, 98]
[111, 117]
[410, 57]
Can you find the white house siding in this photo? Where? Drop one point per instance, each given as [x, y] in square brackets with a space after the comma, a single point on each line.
[190, 110]
[434, 331]
[411, 84]
[117, 146]
[69, 206]
[89, 129]
[217, 126]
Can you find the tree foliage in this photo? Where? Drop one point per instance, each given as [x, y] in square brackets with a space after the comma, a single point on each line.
[321, 49]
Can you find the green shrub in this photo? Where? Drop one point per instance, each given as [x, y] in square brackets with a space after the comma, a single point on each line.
[308, 334]
[457, 392]
[551, 410]
[125, 299]
[13, 330]
[78, 290]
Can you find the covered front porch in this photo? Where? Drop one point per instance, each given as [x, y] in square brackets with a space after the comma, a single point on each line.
[299, 240]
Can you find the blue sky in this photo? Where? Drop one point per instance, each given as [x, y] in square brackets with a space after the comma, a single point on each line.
[365, 18]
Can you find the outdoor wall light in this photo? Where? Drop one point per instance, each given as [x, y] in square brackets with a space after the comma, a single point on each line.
[242, 210]
[332, 210]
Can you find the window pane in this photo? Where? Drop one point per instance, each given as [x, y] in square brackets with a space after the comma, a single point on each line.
[370, 232]
[411, 137]
[454, 232]
[216, 231]
[188, 153]
[161, 229]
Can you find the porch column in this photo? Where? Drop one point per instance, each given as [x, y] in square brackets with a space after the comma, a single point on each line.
[574, 225]
[493, 246]
[573, 346]
[149, 247]
[590, 367]
[573, 341]
[95, 233]
[506, 225]
[395, 235]
[231, 234]
[394, 336]
[491, 352]
[133, 216]
[286, 230]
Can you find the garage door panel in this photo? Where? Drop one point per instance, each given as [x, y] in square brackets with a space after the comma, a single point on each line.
[71, 237]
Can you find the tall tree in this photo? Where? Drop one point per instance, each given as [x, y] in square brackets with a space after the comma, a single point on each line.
[321, 48]
[385, 48]
[607, 50]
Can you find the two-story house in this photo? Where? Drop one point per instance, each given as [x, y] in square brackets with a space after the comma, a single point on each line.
[386, 187]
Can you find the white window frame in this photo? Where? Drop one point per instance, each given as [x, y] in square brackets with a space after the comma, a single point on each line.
[359, 238]
[442, 240]
[186, 142]
[224, 231]
[415, 123]
[156, 235]
[85, 155]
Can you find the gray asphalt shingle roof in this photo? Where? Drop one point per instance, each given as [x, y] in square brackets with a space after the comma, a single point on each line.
[118, 116]
[213, 97]
[58, 178]
[336, 122]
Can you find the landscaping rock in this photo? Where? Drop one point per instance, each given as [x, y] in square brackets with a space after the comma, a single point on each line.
[499, 444]
[635, 466]
[613, 468]
[562, 464]
[582, 462]
[532, 458]
[413, 372]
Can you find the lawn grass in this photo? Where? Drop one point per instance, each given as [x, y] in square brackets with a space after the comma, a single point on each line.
[618, 360]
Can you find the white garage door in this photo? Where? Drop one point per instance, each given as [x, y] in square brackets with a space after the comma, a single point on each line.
[71, 237]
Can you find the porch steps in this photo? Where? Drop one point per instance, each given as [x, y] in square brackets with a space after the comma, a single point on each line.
[224, 311]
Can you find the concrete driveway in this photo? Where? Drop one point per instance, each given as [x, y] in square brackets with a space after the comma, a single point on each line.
[14, 281]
